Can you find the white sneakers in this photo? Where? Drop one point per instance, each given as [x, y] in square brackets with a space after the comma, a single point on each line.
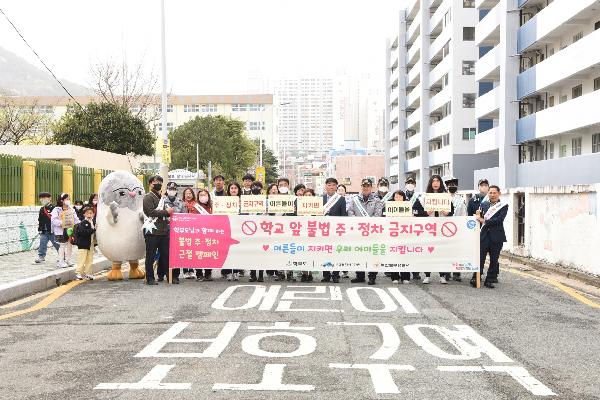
[40, 260]
[229, 277]
[405, 282]
[443, 280]
[395, 281]
[236, 276]
[426, 281]
[189, 275]
[79, 277]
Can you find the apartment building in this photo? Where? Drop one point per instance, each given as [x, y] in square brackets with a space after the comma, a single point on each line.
[431, 93]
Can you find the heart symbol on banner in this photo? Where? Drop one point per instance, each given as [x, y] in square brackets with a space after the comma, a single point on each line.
[265, 247]
[431, 248]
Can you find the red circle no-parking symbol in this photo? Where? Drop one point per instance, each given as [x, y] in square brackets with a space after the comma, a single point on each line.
[449, 229]
[249, 228]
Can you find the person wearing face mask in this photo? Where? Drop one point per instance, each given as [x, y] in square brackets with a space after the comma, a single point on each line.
[78, 206]
[409, 188]
[460, 208]
[191, 207]
[383, 187]
[45, 227]
[157, 236]
[203, 206]
[63, 219]
[93, 202]
[479, 198]
[172, 200]
[234, 189]
[247, 184]
[284, 185]
[256, 190]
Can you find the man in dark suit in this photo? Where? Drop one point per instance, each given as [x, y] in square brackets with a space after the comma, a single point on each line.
[491, 215]
[335, 206]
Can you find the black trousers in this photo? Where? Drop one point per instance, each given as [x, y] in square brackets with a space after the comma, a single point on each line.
[493, 249]
[396, 276]
[361, 275]
[207, 273]
[160, 243]
[329, 274]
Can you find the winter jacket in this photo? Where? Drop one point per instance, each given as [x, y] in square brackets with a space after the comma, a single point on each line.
[44, 219]
[85, 231]
[59, 217]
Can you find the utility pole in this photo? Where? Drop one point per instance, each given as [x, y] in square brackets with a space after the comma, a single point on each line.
[164, 167]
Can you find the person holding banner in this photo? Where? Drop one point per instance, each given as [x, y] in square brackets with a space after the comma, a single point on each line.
[491, 215]
[383, 192]
[479, 198]
[190, 204]
[334, 205]
[396, 277]
[204, 207]
[409, 188]
[219, 184]
[309, 192]
[299, 190]
[284, 185]
[256, 189]
[157, 232]
[234, 189]
[435, 185]
[273, 189]
[246, 185]
[366, 204]
[460, 208]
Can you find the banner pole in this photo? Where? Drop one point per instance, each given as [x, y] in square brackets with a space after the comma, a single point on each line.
[478, 281]
[170, 275]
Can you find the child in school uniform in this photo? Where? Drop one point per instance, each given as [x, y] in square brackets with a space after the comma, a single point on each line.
[86, 230]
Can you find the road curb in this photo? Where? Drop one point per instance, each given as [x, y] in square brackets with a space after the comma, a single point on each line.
[542, 266]
[48, 280]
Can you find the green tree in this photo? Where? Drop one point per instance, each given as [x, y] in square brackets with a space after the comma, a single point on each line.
[107, 127]
[222, 140]
[269, 162]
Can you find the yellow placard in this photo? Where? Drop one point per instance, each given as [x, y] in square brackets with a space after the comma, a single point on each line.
[309, 205]
[398, 209]
[261, 175]
[281, 204]
[166, 152]
[251, 204]
[437, 202]
[226, 205]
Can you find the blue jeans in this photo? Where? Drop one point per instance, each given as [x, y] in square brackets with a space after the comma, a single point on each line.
[44, 239]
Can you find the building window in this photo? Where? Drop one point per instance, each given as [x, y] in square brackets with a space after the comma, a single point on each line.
[468, 67]
[563, 151]
[551, 101]
[446, 140]
[576, 146]
[468, 3]
[577, 91]
[256, 107]
[206, 108]
[577, 37]
[596, 143]
[469, 133]
[447, 18]
[468, 100]
[239, 107]
[169, 126]
[596, 83]
[169, 108]
[551, 151]
[191, 108]
[468, 33]
[445, 81]
[563, 99]
[597, 25]
[256, 125]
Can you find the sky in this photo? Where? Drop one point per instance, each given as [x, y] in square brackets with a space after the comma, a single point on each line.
[213, 47]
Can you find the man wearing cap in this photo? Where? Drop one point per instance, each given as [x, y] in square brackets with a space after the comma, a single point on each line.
[334, 205]
[475, 202]
[383, 187]
[460, 207]
[409, 188]
[365, 204]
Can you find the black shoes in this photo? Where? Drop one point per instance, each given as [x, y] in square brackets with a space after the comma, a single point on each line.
[309, 278]
[493, 280]
[161, 279]
[252, 279]
[336, 280]
[488, 284]
[324, 280]
[175, 281]
[371, 282]
[357, 280]
[151, 283]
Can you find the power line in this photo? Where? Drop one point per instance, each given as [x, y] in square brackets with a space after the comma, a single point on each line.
[39, 58]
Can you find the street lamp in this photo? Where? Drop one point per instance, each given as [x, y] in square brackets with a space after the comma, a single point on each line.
[164, 167]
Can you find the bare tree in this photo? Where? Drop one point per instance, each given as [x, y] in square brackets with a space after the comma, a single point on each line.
[132, 87]
[21, 124]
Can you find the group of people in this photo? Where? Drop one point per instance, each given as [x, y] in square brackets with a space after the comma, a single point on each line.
[485, 206]
[65, 225]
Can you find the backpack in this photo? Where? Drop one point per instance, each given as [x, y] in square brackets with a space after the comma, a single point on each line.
[74, 237]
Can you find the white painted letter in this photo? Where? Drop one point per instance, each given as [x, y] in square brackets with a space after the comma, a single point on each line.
[152, 381]
[272, 380]
[380, 375]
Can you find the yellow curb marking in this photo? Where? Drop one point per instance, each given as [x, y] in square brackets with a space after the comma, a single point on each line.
[28, 299]
[570, 291]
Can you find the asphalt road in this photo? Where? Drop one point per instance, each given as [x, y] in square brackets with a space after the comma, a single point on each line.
[123, 340]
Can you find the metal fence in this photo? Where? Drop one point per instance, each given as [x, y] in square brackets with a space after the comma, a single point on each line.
[48, 177]
[11, 180]
[83, 183]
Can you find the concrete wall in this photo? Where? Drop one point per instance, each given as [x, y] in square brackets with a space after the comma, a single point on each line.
[18, 229]
[358, 167]
[577, 170]
[562, 225]
[465, 165]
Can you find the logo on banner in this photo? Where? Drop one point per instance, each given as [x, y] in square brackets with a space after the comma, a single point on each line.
[471, 224]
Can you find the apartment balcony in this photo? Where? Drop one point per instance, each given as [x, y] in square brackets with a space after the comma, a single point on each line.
[394, 152]
[436, 21]
[414, 164]
[395, 132]
[394, 60]
[487, 141]
[440, 99]
[413, 119]
[440, 156]
[440, 70]
[434, 3]
[394, 76]
[574, 114]
[435, 49]
[488, 105]
[413, 141]
[413, 29]
[414, 75]
[487, 31]
[414, 97]
[573, 62]
[413, 52]
[560, 171]
[412, 9]
[394, 110]
[553, 21]
[487, 68]
[440, 128]
[486, 4]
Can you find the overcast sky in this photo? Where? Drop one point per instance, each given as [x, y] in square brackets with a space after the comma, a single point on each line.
[212, 46]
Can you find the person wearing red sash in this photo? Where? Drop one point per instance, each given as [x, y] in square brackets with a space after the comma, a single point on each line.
[491, 215]
[204, 207]
[189, 203]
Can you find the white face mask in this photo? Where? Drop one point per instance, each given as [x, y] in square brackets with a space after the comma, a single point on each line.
[283, 190]
[45, 202]
[383, 189]
[203, 199]
[78, 207]
[95, 202]
[172, 193]
[67, 202]
[410, 187]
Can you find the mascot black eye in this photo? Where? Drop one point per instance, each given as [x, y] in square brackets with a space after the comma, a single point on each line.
[140, 192]
[121, 193]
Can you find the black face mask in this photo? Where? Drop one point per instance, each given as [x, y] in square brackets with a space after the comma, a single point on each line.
[452, 189]
[157, 186]
[256, 190]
